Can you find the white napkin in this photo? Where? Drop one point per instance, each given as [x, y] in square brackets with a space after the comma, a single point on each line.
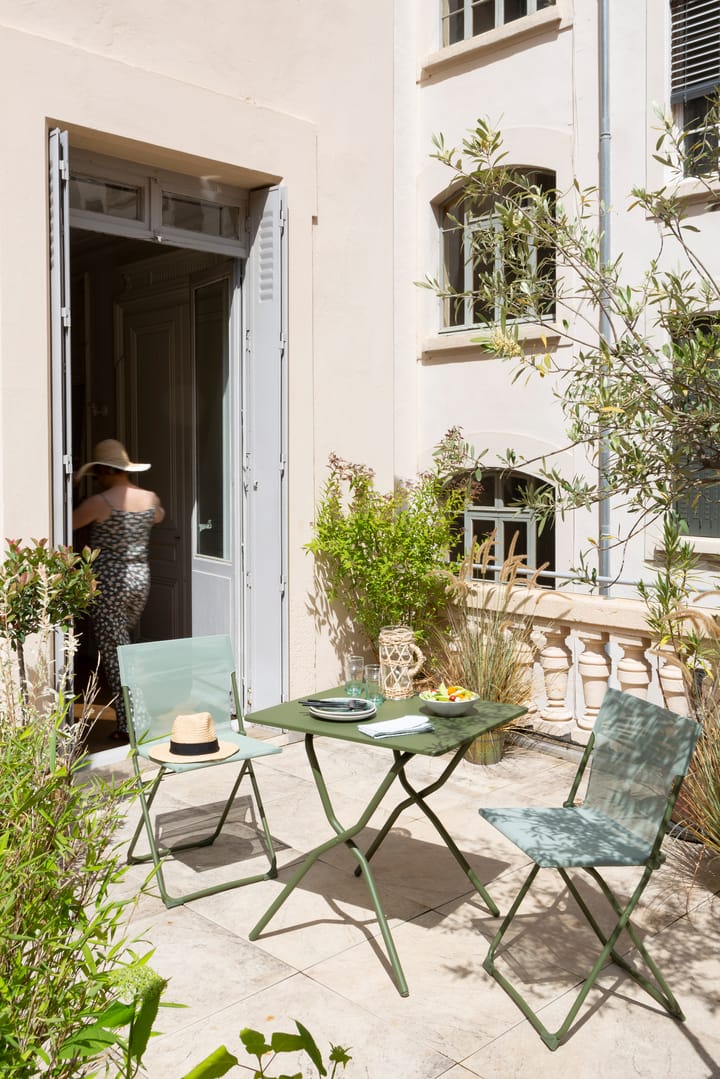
[401, 725]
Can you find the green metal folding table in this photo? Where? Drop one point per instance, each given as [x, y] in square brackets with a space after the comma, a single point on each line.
[449, 736]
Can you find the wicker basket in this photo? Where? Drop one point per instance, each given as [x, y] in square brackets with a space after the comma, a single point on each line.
[487, 748]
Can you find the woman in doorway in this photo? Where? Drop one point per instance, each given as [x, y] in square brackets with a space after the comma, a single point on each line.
[121, 516]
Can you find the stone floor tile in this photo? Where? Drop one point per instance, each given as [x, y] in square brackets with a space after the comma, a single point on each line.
[380, 1048]
[322, 960]
[329, 912]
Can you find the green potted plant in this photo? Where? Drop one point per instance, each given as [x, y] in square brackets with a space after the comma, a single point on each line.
[385, 557]
[687, 637]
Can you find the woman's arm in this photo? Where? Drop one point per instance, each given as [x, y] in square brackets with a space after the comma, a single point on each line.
[86, 512]
[159, 512]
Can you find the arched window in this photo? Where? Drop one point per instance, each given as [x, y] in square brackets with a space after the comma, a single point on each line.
[474, 248]
[498, 508]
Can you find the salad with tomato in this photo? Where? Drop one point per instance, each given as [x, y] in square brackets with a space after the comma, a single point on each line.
[449, 693]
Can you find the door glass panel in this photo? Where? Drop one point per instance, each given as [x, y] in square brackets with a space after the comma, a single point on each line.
[106, 197]
[211, 315]
[196, 215]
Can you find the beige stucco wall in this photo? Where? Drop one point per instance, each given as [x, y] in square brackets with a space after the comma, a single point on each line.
[254, 94]
[537, 80]
[337, 100]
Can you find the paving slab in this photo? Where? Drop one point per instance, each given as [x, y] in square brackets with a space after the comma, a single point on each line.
[322, 961]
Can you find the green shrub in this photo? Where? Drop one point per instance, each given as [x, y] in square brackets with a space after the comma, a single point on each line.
[42, 585]
[386, 557]
[65, 969]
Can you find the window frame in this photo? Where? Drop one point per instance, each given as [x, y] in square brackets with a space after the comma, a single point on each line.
[501, 516]
[153, 185]
[468, 8]
[695, 77]
[704, 496]
[472, 222]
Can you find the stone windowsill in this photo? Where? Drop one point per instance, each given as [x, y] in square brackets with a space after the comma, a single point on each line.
[475, 48]
[535, 338]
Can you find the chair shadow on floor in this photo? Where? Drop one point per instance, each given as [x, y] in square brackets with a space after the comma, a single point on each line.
[240, 840]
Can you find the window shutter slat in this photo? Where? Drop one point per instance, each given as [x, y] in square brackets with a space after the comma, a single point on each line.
[695, 48]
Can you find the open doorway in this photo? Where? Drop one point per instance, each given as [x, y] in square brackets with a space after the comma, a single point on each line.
[150, 365]
[175, 290]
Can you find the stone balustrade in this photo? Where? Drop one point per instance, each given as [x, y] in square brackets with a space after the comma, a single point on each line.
[580, 645]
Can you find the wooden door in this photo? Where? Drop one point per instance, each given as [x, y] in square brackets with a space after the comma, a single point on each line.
[155, 374]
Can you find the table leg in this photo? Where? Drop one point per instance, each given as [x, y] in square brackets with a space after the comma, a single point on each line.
[418, 798]
[344, 835]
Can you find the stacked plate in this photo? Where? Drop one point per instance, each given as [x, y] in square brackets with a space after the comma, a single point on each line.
[342, 709]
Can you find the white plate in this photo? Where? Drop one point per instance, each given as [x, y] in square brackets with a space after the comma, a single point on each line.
[340, 715]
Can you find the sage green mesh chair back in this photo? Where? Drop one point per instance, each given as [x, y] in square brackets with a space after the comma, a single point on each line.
[169, 678]
[163, 680]
[639, 750]
[638, 755]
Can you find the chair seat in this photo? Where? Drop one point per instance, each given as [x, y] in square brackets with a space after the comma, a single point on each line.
[246, 748]
[191, 679]
[571, 836]
[638, 754]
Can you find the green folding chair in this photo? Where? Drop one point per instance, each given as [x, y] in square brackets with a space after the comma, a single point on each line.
[638, 755]
[191, 676]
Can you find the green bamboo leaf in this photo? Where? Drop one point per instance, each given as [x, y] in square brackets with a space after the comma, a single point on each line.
[143, 1024]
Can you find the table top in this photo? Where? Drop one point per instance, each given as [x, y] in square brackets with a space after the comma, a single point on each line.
[448, 732]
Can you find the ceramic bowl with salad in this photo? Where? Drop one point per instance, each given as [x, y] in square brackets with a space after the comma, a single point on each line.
[449, 700]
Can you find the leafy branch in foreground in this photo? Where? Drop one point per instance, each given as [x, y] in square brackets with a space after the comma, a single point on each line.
[221, 1061]
[42, 583]
[651, 386]
[62, 949]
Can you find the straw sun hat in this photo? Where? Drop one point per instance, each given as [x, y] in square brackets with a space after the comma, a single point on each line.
[192, 741]
[112, 454]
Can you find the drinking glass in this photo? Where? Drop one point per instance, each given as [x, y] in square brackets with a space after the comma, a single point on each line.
[373, 691]
[354, 676]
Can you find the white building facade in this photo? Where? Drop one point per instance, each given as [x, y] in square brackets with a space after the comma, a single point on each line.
[213, 222]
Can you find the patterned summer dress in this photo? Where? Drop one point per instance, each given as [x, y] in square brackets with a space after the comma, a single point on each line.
[123, 575]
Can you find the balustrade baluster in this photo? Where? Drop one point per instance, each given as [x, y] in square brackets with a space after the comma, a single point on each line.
[633, 670]
[594, 670]
[555, 663]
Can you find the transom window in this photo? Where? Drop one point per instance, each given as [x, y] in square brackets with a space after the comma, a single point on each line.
[470, 258]
[163, 206]
[462, 19]
[695, 78]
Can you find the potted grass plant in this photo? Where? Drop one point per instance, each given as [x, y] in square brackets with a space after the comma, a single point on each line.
[487, 643]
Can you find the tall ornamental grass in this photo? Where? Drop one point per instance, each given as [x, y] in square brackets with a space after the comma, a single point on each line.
[488, 645]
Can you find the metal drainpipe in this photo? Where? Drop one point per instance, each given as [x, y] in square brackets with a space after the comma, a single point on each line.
[604, 530]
